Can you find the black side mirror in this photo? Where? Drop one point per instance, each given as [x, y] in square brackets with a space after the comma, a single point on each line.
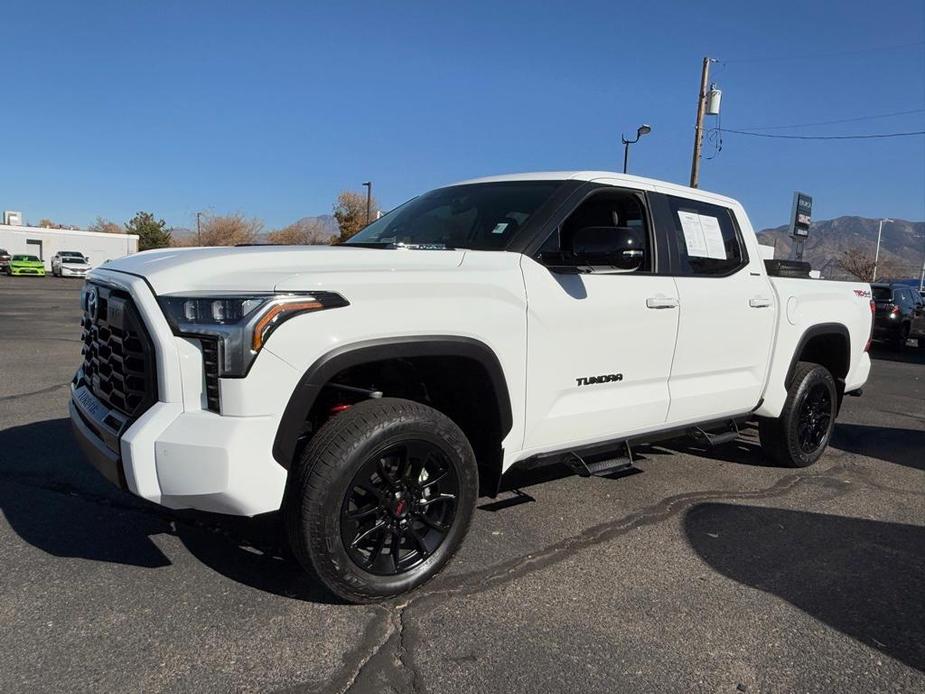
[618, 247]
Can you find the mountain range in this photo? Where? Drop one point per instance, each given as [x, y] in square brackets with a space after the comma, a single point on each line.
[902, 244]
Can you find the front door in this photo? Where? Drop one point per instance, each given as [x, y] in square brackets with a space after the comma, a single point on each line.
[599, 343]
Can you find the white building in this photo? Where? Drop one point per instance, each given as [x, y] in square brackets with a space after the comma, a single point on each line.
[44, 243]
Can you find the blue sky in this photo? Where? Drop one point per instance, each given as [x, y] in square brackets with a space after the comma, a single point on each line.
[272, 108]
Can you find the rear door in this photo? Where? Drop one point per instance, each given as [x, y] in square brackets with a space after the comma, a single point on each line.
[599, 344]
[727, 312]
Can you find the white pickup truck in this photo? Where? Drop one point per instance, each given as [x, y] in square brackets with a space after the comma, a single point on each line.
[368, 389]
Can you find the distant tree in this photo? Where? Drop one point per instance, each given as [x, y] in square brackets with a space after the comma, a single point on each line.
[106, 226]
[152, 233]
[304, 232]
[46, 223]
[350, 213]
[229, 230]
[860, 264]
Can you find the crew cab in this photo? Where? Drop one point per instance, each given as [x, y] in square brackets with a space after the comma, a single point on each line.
[70, 264]
[369, 390]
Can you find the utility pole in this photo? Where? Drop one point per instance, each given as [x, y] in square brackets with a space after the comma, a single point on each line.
[877, 254]
[698, 129]
[198, 229]
[369, 198]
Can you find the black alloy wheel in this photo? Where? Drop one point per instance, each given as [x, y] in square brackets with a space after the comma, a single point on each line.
[380, 498]
[800, 435]
[815, 418]
[399, 507]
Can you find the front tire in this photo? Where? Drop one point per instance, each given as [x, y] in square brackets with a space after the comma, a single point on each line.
[799, 437]
[380, 499]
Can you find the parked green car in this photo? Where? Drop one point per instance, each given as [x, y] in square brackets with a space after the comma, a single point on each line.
[25, 265]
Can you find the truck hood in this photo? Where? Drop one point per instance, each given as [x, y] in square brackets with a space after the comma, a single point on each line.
[268, 268]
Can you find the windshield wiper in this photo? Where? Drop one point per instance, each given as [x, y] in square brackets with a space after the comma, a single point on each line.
[425, 246]
[393, 245]
[367, 244]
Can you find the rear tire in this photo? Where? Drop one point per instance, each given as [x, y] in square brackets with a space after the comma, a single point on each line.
[380, 499]
[799, 437]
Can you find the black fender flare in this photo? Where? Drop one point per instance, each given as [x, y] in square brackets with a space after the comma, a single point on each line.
[809, 334]
[354, 354]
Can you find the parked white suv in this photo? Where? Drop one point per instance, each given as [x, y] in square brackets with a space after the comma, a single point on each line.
[368, 389]
[70, 264]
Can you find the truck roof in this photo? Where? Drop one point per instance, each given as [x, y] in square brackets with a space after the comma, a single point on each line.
[586, 175]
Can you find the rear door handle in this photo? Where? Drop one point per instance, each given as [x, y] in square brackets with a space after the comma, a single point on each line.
[759, 302]
[661, 302]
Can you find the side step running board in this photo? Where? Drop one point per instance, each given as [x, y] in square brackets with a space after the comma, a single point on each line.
[730, 432]
[604, 464]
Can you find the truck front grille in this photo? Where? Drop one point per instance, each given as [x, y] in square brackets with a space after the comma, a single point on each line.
[119, 362]
[210, 355]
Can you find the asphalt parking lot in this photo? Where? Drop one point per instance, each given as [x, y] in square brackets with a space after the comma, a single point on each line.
[706, 571]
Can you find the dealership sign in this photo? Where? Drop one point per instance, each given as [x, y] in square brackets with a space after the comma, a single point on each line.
[801, 216]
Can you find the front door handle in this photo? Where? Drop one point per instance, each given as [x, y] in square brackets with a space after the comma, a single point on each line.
[661, 302]
[759, 302]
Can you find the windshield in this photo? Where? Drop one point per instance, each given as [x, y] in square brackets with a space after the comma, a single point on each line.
[26, 258]
[71, 254]
[481, 216]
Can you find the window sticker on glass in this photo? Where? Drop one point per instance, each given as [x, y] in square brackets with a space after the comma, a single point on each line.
[713, 236]
[693, 234]
[702, 235]
[499, 228]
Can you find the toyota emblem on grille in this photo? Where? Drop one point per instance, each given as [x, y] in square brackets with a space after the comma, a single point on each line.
[92, 301]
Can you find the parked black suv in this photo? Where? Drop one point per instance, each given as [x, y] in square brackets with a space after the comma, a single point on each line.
[900, 313]
[4, 260]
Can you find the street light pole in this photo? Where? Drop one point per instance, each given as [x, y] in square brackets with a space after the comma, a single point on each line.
[877, 254]
[198, 229]
[698, 128]
[643, 129]
[369, 197]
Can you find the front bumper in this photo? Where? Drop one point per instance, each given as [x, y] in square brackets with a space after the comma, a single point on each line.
[38, 271]
[177, 453]
[184, 459]
[66, 271]
[98, 454]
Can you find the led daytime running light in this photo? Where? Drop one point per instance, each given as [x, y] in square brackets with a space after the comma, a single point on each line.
[277, 315]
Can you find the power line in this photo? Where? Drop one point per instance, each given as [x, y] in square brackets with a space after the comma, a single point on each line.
[843, 120]
[823, 137]
[834, 54]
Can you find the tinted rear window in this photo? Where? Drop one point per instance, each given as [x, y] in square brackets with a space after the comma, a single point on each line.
[882, 293]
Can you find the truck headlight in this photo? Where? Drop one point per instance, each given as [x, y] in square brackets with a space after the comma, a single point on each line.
[240, 323]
